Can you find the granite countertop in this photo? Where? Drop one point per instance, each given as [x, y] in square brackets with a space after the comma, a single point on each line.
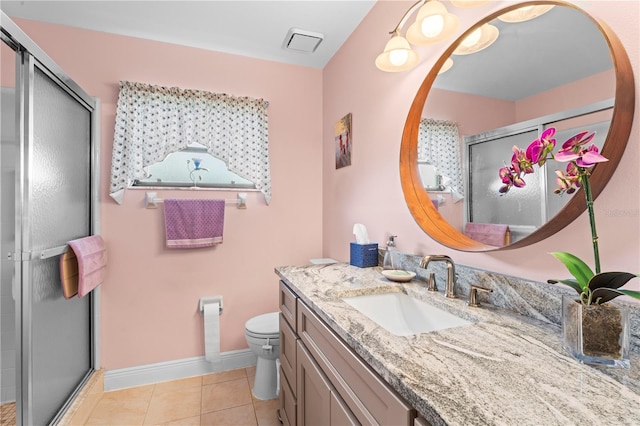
[504, 369]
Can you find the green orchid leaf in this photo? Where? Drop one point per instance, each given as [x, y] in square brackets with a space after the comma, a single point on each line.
[610, 280]
[603, 295]
[630, 293]
[581, 272]
[604, 286]
[571, 283]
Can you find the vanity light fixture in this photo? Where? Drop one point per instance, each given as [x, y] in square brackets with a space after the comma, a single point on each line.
[478, 40]
[433, 24]
[397, 56]
[525, 13]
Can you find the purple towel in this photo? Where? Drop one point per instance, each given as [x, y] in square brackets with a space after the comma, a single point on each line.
[193, 223]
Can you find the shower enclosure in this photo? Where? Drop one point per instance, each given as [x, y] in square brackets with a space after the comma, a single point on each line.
[49, 197]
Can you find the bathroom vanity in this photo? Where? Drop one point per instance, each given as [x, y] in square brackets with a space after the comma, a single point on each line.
[340, 367]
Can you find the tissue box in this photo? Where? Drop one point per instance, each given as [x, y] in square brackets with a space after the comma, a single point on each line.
[364, 255]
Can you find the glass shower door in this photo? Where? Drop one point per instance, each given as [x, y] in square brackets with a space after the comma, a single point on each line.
[55, 199]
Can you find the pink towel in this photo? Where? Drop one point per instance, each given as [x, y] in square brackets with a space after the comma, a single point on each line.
[488, 233]
[91, 258]
[193, 223]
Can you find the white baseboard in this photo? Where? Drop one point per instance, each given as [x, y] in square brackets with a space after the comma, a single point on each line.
[178, 369]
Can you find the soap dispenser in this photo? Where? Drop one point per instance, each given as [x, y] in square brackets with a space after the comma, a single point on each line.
[388, 262]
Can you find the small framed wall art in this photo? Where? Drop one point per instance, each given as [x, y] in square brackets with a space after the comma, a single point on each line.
[343, 141]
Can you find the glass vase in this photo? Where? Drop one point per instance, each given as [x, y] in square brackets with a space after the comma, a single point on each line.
[596, 334]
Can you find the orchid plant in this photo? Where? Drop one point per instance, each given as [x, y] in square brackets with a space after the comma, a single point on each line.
[593, 288]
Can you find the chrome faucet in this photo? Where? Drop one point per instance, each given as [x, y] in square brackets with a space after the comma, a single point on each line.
[449, 290]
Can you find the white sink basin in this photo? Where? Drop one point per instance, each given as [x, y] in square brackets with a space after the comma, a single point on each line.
[403, 315]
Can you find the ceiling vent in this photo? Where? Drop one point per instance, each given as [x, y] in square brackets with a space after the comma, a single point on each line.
[302, 40]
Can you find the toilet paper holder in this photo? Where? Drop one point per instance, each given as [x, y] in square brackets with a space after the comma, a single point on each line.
[207, 300]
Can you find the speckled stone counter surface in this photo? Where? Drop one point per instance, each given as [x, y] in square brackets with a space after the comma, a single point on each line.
[504, 369]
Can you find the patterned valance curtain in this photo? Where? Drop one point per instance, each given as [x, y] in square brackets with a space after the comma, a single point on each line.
[439, 144]
[153, 122]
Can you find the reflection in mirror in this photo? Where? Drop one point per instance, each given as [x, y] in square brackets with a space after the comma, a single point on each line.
[439, 155]
[533, 76]
[506, 88]
[536, 203]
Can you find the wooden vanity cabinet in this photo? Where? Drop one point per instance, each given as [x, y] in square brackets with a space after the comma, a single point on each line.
[371, 399]
[319, 403]
[288, 356]
[330, 384]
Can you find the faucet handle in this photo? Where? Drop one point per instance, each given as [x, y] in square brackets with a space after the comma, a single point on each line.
[473, 295]
[431, 284]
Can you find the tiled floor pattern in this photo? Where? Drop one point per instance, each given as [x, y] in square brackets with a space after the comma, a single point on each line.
[215, 399]
[8, 414]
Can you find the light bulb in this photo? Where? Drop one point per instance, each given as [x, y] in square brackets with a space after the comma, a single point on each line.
[432, 25]
[472, 38]
[398, 57]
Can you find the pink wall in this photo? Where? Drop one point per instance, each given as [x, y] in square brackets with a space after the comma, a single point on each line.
[588, 90]
[369, 191]
[7, 66]
[474, 114]
[150, 297]
[149, 304]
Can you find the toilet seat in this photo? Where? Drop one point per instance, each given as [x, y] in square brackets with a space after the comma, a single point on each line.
[263, 326]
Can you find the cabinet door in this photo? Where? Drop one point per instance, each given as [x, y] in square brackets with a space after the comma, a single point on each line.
[287, 402]
[288, 350]
[340, 413]
[314, 392]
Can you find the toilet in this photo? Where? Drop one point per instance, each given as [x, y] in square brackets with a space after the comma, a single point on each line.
[263, 336]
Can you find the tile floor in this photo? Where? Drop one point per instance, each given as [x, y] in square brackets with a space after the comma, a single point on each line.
[214, 399]
[8, 414]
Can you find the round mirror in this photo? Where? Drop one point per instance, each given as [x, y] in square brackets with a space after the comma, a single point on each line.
[561, 69]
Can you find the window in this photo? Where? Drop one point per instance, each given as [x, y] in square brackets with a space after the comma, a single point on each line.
[161, 130]
[193, 166]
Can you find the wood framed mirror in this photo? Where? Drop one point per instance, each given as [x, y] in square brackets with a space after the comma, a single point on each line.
[420, 202]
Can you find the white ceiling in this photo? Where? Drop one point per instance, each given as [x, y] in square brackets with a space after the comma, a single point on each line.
[249, 28]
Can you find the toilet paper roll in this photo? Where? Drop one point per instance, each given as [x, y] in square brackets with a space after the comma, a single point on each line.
[212, 332]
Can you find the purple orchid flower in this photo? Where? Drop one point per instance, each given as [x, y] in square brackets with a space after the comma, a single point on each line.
[589, 157]
[568, 182]
[520, 161]
[538, 150]
[573, 150]
[510, 176]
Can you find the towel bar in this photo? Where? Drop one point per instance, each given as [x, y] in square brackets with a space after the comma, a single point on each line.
[43, 254]
[151, 200]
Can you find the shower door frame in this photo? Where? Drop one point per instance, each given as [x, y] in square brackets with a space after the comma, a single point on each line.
[30, 55]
